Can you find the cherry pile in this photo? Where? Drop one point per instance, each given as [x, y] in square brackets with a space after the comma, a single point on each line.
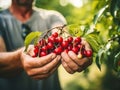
[55, 43]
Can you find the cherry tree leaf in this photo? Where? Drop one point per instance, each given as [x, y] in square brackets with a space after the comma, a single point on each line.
[32, 37]
[99, 57]
[99, 14]
[94, 40]
[75, 30]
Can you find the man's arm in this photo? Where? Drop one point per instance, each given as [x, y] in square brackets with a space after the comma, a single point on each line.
[10, 63]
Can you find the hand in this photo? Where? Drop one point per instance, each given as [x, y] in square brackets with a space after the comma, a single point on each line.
[40, 67]
[72, 63]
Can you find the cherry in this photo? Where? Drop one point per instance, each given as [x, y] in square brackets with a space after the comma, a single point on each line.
[51, 39]
[58, 50]
[59, 39]
[44, 48]
[77, 40]
[36, 50]
[70, 39]
[57, 44]
[43, 53]
[64, 44]
[42, 42]
[79, 55]
[88, 53]
[50, 45]
[75, 49]
[70, 46]
[55, 34]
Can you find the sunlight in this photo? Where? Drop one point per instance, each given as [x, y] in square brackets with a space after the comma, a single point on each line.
[5, 3]
[63, 2]
[76, 3]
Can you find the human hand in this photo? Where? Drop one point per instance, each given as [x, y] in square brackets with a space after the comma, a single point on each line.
[72, 63]
[40, 67]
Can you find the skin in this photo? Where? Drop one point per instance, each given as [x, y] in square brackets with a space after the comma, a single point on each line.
[72, 63]
[12, 63]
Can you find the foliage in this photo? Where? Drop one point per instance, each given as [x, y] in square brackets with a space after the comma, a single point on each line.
[103, 37]
[111, 46]
[32, 38]
[99, 22]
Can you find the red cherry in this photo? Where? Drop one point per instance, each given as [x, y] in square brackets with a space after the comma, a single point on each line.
[75, 49]
[55, 34]
[50, 45]
[70, 39]
[43, 53]
[77, 40]
[59, 40]
[36, 50]
[58, 50]
[51, 39]
[64, 44]
[44, 48]
[42, 42]
[88, 53]
[70, 46]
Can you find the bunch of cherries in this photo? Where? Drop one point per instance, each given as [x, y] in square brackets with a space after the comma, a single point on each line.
[55, 43]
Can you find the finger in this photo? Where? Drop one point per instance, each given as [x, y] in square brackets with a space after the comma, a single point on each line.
[43, 76]
[81, 62]
[84, 66]
[30, 50]
[80, 69]
[45, 69]
[39, 61]
[69, 61]
[66, 67]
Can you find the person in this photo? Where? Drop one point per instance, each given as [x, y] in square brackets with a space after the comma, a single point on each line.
[19, 70]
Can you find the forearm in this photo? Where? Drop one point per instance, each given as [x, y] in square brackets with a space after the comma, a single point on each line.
[10, 63]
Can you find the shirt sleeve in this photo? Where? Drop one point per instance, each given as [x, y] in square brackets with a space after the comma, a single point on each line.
[1, 26]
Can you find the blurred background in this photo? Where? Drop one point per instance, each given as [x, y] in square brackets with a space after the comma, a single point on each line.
[83, 12]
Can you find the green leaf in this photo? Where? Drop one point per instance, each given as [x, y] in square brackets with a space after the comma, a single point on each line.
[33, 36]
[98, 58]
[75, 30]
[99, 14]
[94, 40]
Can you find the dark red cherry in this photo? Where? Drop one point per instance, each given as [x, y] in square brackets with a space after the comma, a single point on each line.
[55, 34]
